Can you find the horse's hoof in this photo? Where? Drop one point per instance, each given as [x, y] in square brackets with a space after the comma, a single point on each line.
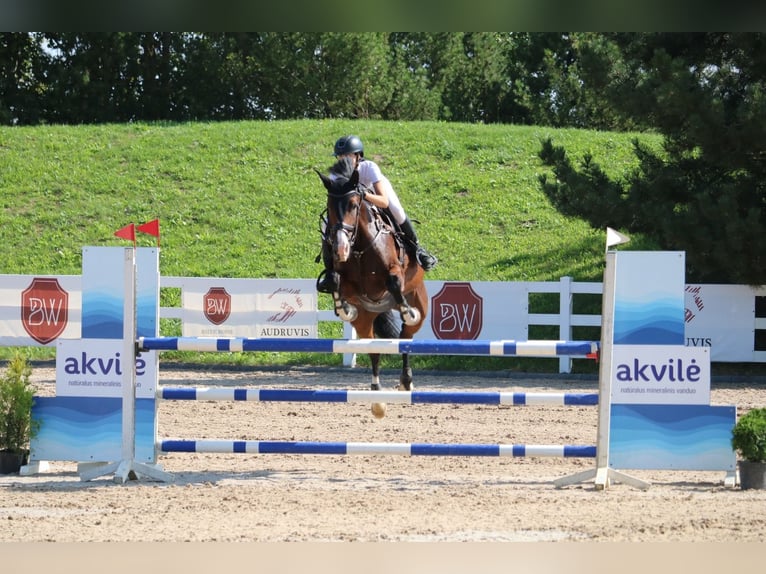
[404, 387]
[349, 313]
[411, 316]
[378, 410]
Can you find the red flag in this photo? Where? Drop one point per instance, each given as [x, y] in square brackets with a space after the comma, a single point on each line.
[152, 228]
[127, 232]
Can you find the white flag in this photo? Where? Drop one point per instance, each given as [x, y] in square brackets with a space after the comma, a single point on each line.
[615, 237]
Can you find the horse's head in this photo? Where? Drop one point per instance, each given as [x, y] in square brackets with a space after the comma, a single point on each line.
[344, 206]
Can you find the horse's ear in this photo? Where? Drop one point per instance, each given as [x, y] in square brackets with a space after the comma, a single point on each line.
[354, 178]
[325, 180]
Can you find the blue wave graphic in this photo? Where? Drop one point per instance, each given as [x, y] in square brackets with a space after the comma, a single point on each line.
[90, 429]
[649, 322]
[672, 437]
[103, 286]
[102, 315]
[147, 294]
[146, 315]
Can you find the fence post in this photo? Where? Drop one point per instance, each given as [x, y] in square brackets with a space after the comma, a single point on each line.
[565, 320]
[349, 359]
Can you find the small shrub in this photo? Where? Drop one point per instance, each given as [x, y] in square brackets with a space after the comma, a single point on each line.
[749, 436]
[16, 398]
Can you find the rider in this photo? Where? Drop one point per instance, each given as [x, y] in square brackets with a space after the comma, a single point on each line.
[384, 197]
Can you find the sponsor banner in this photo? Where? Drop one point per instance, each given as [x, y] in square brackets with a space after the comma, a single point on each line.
[103, 286]
[649, 298]
[672, 437]
[721, 317]
[261, 308]
[37, 311]
[660, 374]
[94, 368]
[89, 429]
[476, 310]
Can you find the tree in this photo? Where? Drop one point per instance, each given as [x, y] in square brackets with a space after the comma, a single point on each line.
[20, 57]
[87, 79]
[223, 76]
[705, 193]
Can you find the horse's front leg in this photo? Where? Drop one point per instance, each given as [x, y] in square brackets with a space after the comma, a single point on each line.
[410, 315]
[343, 309]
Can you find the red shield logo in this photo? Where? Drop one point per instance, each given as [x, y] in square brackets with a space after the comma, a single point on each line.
[456, 312]
[44, 309]
[217, 305]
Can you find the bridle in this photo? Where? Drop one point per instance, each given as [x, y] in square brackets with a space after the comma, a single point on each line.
[351, 231]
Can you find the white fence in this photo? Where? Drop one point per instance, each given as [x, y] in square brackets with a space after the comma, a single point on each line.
[730, 319]
[565, 319]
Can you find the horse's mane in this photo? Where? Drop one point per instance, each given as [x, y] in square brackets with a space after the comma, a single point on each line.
[343, 169]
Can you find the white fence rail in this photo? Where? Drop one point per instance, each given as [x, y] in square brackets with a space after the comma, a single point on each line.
[565, 319]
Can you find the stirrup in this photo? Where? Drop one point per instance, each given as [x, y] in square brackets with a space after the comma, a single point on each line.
[324, 283]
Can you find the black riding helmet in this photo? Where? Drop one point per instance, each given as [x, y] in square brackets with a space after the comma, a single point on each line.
[349, 144]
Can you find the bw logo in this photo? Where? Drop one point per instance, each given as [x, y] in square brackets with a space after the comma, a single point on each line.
[217, 305]
[457, 312]
[44, 309]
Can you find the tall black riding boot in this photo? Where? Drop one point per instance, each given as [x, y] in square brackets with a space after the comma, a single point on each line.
[326, 282]
[426, 260]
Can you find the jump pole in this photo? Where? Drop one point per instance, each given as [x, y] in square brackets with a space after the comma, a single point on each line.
[374, 448]
[502, 347]
[517, 399]
[400, 397]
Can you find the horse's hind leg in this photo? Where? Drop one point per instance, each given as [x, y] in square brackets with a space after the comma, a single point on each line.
[378, 409]
[405, 379]
[419, 302]
[375, 363]
[365, 330]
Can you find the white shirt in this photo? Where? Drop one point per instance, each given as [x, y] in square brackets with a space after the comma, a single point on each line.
[369, 175]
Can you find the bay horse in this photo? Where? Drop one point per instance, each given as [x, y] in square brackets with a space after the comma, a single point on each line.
[374, 274]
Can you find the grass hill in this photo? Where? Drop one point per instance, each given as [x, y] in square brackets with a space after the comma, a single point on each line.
[241, 199]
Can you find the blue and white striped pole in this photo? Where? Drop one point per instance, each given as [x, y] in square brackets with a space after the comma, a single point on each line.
[381, 346]
[405, 397]
[372, 448]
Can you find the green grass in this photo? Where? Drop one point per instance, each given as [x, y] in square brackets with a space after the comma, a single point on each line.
[241, 199]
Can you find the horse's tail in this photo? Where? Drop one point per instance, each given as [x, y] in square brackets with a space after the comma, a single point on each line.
[387, 326]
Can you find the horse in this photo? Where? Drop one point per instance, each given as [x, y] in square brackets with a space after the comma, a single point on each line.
[374, 274]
